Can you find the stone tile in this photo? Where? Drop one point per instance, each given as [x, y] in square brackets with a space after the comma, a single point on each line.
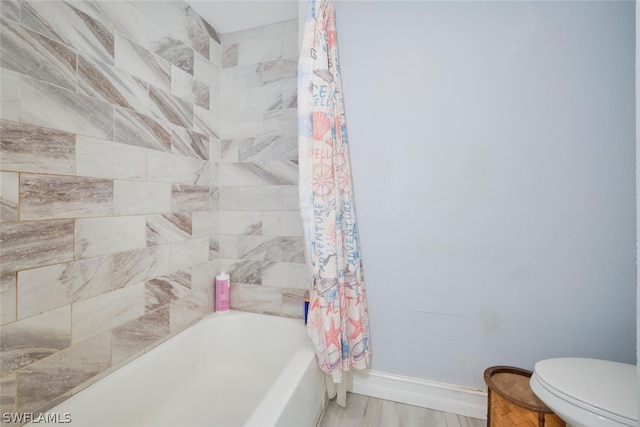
[141, 130]
[290, 198]
[140, 265]
[182, 85]
[228, 246]
[188, 253]
[282, 224]
[170, 108]
[54, 107]
[256, 50]
[112, 85]
[9, 184]
[123, 17]
[189, 27]
[241, 124]
[280, 121]
[293, 249]
[7, 298]
[261, 148]
[285, 275]
[229, 150]
[274, 71]
[159, 12]
[215, 53]
[203, 276]
[35, 243]
[66, 24]
[27, 148]
[44, 381]
[42, 58]
[167, 228]
[184, 311]
[138, 198]
[260, 248]
[29, 340]
[8, 385]
[106, 159]
[100, 236]
[51, 197]
[46, 288]
[260, 99]
[293, 302]
[206, 223]
[236, 174]
[230, 56]
[9, 95]
[260, 198]
[206, 122]
[189, 198]
[139, 333]
[176, 169]
[191, 144]
[235, 222]
[10, 9]
[281, 172]
[107, 311]
[289, 93]
[171, 49]
[164, 289]
[139, 62]
[259, 299]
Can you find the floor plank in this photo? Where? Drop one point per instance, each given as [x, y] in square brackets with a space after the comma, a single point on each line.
[364, 411]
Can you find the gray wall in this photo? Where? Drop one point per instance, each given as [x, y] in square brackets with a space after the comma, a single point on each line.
[493, 163]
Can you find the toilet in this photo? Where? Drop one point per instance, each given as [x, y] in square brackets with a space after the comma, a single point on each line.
[588, 392]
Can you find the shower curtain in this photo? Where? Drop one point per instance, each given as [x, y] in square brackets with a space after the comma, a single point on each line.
[337, 321]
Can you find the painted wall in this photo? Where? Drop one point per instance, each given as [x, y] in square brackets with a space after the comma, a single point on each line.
[110, 125]
[493, 163]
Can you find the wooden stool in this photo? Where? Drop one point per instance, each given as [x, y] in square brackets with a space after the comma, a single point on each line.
[512, 403]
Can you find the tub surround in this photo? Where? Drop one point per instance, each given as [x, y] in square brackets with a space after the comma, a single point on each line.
[110, 208]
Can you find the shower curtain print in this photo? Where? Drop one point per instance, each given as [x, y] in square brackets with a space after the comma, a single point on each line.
[338, 322]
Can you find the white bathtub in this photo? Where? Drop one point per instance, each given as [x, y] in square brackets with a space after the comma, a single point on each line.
[229, 369]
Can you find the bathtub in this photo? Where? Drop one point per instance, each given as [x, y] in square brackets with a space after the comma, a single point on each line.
[229, 369]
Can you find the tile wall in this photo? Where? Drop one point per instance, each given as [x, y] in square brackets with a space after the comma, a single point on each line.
[119, 200]
[260, 231]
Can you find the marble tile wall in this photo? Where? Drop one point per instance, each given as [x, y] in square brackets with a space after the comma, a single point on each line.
[260, 231]
[109, 187]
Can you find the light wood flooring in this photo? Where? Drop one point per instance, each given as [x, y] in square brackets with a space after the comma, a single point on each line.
[364, 411]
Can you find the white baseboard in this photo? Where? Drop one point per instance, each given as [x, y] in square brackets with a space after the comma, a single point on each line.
[467, 401]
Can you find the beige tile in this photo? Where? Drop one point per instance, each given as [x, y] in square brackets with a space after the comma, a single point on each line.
[136, 198]
[100, 236]
[139, 333]
[140, 265]
[28, 148]
[8, 394]
[51, 197]
[35, 243]
[46, 288]
[46, 380]
[9, 195]
[189, 198]
[167, 228]
[28, 340]
[189, 253]
[105, 159]
[162, 290]
[206, 223]
[7, 298]
[286, 223]
[184, 311]
[103, 312]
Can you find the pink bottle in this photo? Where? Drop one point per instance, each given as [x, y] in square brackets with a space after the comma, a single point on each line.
[223, 292]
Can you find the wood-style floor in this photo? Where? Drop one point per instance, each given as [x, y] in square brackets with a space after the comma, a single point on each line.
[363, 411]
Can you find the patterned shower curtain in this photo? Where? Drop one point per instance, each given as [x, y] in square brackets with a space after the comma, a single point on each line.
[337, 322]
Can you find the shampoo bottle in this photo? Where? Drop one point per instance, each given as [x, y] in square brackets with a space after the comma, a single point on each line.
[223, 292]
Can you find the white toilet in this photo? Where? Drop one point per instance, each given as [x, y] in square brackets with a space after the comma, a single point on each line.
[588, 392]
